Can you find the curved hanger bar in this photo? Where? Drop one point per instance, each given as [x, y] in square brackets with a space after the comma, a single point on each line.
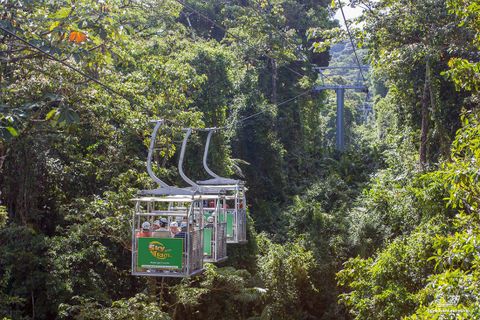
[180, 161]
[205, 156]
[158, 123]
[217, 180]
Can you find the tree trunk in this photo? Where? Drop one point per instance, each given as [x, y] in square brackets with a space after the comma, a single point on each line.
[442, 134]
[33, 305]
[274, 80]
[425, 116]
[152, 289]
[3, 155]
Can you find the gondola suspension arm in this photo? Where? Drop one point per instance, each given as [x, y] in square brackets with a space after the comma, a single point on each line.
[180, 161]
[158, 123]
[205, 156]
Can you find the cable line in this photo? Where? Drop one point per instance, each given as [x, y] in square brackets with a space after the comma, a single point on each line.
[302, 54]
[293, 45]
[185, 5]
[351, 39]
[111, 90]
[192, 9]
[106, 87]
[263, 111]
[243, 119]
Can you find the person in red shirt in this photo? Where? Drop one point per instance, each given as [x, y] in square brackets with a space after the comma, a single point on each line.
[145, 232]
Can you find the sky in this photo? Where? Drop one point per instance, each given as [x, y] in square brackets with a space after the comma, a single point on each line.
[350, 13]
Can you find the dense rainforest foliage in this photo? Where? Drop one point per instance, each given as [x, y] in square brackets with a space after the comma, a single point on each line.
[387, 229]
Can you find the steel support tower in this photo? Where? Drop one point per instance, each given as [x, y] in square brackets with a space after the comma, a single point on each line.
[340, 92]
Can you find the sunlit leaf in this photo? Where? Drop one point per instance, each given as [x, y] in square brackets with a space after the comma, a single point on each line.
[12, 131]
[54, 25]
[62, 13]
[50, 114]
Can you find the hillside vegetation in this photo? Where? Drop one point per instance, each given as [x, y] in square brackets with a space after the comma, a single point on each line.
[387, 229]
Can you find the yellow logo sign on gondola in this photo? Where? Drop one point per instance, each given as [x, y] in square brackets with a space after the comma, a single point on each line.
[158, 250]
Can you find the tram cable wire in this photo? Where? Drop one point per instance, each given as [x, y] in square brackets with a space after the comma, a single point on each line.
[351, 39]
[236, 122]
[293, 45]
[204, 16]
[241, 120]
[52, 57]
[192, 9]
[111, 90]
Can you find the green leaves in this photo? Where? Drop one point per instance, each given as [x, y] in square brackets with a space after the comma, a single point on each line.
[54, 25]
[385, 286]
[219, 293]
[6, 24]
[3, 216]
[12, 131]
[465, 74]
[7, 123]
[321, 46]
[288, 272]
[51, 114]
[324, 38]
[434, 271]
[67, 116]
[139, 307]
[63, 116]
[62, 13]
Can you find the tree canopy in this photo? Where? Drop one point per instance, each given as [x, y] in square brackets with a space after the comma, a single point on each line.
[386, 229]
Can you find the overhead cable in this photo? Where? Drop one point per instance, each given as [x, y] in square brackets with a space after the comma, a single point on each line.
[106, 87]
[187, 6]
[351, 40]
[263, 111]
[111, 90]
[302, 54]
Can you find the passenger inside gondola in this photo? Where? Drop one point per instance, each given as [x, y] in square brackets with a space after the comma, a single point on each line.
[209, 222]
[183, 234]
[183, 231]
[145, 231]
[159, 228]
[163, 224]
[161, 211]
[174, 228]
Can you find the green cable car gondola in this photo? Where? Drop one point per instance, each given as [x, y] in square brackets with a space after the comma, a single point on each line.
[214, 216]
[167, 235]
[168, 225]
[236, 212]
[167, 228]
